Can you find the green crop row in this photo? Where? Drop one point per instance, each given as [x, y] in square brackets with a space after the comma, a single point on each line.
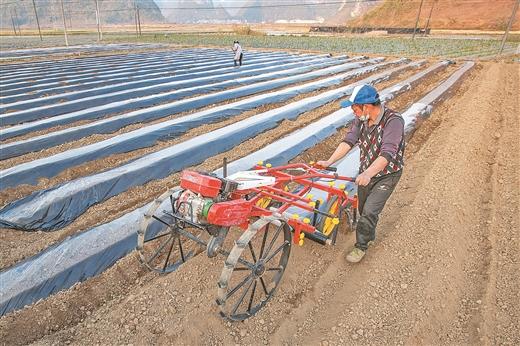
[420, 47]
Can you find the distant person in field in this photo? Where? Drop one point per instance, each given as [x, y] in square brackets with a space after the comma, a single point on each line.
[379, 133]
[237, 49]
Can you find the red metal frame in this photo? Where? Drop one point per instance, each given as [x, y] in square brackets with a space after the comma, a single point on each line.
[295, 199]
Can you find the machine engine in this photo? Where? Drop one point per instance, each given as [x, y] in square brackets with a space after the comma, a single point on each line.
[206, 200]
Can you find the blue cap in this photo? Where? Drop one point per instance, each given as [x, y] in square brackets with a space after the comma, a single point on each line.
[362, 94]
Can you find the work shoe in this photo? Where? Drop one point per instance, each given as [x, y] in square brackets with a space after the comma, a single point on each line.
[355, 255]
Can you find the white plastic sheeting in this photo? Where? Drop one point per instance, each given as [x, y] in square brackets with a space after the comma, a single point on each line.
[88, 48]
[56, 207]
[77, 100]
[148, 135]
[148, 108]
[81, 68]
[85, 80]
[64, 264]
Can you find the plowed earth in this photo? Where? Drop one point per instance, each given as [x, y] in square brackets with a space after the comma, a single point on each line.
[444, 270]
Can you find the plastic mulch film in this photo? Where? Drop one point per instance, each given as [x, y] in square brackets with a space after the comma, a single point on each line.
[62, 265]
[62, 103]
[25, 173]
[88, 48]
[86, 78]
[141, 109]
[19, 80]
[58, 206]
[193, 75]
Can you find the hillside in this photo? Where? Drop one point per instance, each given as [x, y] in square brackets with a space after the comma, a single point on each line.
[447, 14]
[79, 12]
[258, 11]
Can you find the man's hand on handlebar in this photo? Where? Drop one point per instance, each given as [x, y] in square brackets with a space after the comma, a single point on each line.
[323, 164]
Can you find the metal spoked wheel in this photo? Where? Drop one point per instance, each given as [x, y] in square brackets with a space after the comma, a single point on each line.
[351, 216]
[254, 268]
[161, 241]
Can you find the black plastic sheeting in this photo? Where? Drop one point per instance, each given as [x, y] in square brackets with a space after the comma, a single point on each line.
[50, 166]
[58, 206]
[74, 260]
[31, 86]
[78, 63]
[61, 266]
[112, 106]
[87, 80]
[69, 102]
[161, 105]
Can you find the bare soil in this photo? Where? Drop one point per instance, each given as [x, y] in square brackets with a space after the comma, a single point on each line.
[445, 268]
[446, 14]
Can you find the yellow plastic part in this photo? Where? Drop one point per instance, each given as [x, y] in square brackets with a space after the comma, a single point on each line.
[269, 165]
[263, 202]
[312, 163]
[309, 196]
[306, 220]
[300, 242]
[260, 163]
[295, 216]
[342, 187]
[331, 222]
[302, 235]
[312, 204]
[331, 183]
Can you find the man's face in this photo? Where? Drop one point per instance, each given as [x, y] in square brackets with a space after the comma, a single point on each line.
[357, 109]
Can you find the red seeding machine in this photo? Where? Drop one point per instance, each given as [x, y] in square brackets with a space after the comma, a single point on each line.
[274, 207]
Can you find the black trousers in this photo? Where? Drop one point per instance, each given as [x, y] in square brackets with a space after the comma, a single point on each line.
[371, 201]
[239, 61]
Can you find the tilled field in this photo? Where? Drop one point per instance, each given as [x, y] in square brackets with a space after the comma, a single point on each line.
[444, 269]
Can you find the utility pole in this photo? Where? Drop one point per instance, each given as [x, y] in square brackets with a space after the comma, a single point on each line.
[135, 17]
[69, 12]
[417, 20]
[429, 17]
[17, 22]
[12, 21]
[37, 21]
[139, 20]
[509, 25]
[98, 21]
[64, 24]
